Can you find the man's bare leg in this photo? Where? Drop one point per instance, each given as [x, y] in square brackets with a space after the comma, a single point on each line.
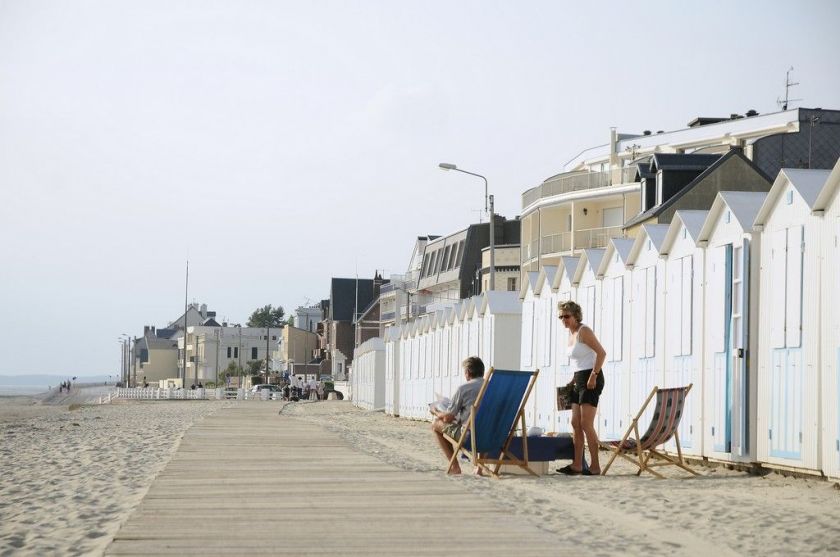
[446, 446]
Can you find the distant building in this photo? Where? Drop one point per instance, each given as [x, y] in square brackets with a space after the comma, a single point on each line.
[210, 350]
[336, 332]
[307, 318]
[452, 265]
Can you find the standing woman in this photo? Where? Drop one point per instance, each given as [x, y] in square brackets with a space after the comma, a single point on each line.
[586, 356]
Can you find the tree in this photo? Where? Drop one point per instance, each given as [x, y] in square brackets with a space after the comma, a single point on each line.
[255, 366]
[267, 316]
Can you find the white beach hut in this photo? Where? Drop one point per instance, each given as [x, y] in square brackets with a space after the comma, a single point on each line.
[501, 325]
[529, 338]
[543, 403]
[730, 309]
[588, 288]
[789, 377]
[614, 406]
[683, 320]
[392, 370]
[368, 379]
[828, 203]
[562, 290]
[646, 314]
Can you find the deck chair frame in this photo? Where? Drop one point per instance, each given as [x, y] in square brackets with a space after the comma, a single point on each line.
[505, 457]
[642, 457]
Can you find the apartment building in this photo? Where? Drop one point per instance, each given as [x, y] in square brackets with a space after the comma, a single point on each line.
[211, 349]
[601, 189]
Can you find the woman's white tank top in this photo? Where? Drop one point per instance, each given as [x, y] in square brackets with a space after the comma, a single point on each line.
[580, 355]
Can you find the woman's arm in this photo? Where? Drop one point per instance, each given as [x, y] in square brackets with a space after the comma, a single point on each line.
[587, 336]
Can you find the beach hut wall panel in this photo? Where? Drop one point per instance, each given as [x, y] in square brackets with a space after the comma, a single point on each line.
[563, 291]
[501, 322]
[614, 405]
[542, 406]
[683, 321]
[529, 337]
[731, 314]
[646, 313]
[368, 377]
[829, 203]
[392, 370]
[588, 293]
[790, 375]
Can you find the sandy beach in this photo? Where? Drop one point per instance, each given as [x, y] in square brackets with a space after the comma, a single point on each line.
[723, 512]
[68, 479]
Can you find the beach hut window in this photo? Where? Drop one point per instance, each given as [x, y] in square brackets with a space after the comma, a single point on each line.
[685, 233]
[728, 217]
[789, 197]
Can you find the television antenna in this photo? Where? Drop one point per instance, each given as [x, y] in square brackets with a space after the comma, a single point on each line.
[788, 84]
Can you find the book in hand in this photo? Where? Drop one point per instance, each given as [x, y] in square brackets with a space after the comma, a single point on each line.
[441, 403]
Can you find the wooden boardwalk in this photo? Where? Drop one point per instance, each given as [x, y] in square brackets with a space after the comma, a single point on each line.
[247, 481]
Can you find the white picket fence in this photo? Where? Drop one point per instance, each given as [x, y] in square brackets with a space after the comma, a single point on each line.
[139, 393]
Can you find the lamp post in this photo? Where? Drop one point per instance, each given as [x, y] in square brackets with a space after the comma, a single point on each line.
[488, 206]
[125, 357]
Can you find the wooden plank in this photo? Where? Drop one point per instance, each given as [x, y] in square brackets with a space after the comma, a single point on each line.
[249, 481]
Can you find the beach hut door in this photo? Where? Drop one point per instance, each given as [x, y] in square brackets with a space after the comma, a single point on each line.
[723, 365]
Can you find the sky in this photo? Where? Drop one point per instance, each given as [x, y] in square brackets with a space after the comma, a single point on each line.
[275, 145]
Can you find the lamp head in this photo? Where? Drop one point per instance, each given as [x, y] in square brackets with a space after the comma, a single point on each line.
[447, 166]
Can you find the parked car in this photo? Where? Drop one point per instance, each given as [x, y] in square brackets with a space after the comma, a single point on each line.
[265, 386]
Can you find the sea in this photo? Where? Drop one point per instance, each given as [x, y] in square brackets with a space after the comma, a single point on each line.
[22, 390]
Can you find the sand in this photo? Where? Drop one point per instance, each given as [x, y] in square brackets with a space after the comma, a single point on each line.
[724, 511]
[68, 479]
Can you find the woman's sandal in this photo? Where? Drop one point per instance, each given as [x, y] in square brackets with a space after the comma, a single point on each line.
[569, 471]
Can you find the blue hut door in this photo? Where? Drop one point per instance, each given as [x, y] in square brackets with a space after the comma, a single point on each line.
[722, 346]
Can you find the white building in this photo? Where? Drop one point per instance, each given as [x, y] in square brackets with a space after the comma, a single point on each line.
[210, 350]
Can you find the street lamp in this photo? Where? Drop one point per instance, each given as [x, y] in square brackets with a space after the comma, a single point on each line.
[488, 206]
[126, 359]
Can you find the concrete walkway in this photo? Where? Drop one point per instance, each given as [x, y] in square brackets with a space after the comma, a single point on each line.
[247, 481]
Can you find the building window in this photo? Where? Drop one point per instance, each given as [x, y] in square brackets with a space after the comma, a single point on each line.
[229, 350]
[511, 286]
[254, 352]
[273, 337]
[235, 351]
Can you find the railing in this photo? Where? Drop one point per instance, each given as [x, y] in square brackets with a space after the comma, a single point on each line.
[597, 237]
[137, 393]
[577, 181]
[556, 243]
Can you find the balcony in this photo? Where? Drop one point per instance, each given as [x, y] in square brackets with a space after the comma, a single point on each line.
[388, 316]
[578, 181]
[562, 243]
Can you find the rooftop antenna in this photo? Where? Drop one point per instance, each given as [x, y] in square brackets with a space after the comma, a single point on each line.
[788, 85]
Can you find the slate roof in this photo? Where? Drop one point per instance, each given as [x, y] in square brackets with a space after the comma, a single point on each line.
[717, 162]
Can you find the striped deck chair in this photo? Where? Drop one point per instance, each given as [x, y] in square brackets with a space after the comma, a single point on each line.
[498, 409]
[663, 426]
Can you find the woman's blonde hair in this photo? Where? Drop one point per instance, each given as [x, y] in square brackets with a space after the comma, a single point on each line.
[572, 309]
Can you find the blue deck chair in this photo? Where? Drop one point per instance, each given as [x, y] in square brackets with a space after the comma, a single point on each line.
[499, 407]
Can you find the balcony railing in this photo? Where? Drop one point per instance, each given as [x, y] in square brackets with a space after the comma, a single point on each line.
[556, 243]
[578, 181]
[562, 243]
[596, 237]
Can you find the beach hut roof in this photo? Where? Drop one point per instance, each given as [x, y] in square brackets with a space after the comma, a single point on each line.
[653, 232]
[529, 282]
[744, 206]
[591, 258]
[500, 302]
[829, 190]
[546, 279]
[568, 265]
[691, 219]
[807, 183]
[620, 246]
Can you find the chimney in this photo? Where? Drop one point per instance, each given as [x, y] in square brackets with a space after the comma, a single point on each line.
[203, 311]
[751, 112]
[646, 132]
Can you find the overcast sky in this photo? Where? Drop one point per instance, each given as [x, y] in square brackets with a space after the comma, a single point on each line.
[278, 144]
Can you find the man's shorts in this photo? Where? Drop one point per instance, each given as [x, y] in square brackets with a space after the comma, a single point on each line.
[452, 430]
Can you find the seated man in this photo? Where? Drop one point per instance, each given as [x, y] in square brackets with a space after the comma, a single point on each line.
[452, 419]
